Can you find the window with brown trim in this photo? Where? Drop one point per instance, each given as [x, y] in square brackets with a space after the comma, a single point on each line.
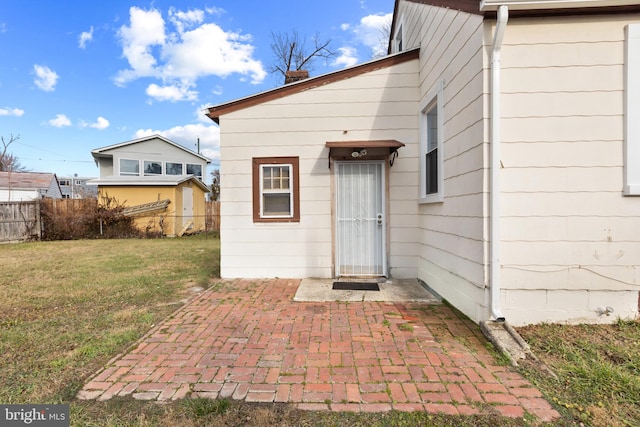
[276, 189]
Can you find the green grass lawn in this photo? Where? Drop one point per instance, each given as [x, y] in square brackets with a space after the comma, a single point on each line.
[68, 307]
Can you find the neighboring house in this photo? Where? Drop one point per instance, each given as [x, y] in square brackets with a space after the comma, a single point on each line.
[494, 155]
[24, 186]
[146, 173]
[76, 187]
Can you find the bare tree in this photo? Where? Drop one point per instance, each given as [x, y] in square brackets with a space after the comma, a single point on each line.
[9, 162]
[292, 52]
[215, 185]
[384, 36]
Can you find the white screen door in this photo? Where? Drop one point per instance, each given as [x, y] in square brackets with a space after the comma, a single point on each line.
[360, 229]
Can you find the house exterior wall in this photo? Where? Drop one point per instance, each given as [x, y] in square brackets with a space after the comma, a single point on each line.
[376, 105]
[172, 220]
[453, 232]
[154, 150]
[570, 239]
[7, 195]
[53, 191]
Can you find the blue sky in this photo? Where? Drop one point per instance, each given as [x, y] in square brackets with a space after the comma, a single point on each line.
[79, 75]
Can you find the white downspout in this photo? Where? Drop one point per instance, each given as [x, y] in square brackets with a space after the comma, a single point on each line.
[494, 272]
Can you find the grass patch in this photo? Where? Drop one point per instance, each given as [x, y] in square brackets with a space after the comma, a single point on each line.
[405, 327]
[70, 306]
[598, 369]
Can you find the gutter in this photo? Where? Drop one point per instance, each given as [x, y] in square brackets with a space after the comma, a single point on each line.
[494, 272]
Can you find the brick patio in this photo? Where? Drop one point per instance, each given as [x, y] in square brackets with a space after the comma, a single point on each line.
[248, 339]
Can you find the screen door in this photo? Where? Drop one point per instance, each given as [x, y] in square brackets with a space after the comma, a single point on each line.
[360, 228]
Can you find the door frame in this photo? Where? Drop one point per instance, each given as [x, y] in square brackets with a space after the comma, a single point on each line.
[384, 193]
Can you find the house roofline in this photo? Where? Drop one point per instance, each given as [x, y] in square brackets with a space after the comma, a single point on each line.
[152, 181]
[549, 5]
[100, 152]
[525, 8]
[216, 111]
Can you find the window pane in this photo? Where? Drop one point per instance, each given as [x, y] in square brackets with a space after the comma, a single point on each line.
[174, 168]
[129, 167]
[432, 128]
[275, 177]
[152, 168]
[278, 204]
[194, 170]
[432, 171]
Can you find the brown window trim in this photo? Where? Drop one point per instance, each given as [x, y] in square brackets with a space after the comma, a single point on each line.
[257, 162]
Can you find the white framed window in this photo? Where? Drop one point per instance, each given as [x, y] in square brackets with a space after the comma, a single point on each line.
[152, 168]
[193, 169]
[276, 189]
[632, 111]
[129, 167]
[431, 147]
[173, 168]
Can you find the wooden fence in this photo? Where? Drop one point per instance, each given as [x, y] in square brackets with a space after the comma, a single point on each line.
[212, 216]
[19, 221]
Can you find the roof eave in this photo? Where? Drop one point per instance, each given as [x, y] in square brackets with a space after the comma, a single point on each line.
[493, 5]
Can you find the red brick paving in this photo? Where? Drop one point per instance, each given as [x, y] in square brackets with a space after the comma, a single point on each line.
[248, 339]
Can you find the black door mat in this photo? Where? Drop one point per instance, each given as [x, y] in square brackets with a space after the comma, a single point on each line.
[355, 286]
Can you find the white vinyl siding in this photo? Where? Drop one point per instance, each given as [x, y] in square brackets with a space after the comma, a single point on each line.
[381, 104]
[452, 243]
[569, 237]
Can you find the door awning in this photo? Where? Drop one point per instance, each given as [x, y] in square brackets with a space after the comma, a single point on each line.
[356, 150]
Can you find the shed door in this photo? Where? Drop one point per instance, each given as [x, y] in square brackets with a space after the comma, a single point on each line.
[360, 228]
[187, 205]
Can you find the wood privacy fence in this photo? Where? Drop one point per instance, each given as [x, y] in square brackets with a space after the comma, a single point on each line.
[21, 221]
[212, 216]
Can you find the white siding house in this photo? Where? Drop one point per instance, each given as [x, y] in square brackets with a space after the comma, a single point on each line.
[507, 135]
[25, 186]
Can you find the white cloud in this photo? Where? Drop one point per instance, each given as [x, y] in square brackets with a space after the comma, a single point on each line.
[200, 115]
[17, 112]
[182, 20]
[100, 123]
[60, 121]
[370, 31]
[46, 78]
[188, 135]
[195, 49]
[345, 27]
[85, 37]
[172, 93]
[348, 57]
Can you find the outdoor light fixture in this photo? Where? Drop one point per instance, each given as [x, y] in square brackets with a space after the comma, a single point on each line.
[359, 153]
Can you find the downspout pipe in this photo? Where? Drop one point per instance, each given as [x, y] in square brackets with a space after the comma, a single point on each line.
[494, 272]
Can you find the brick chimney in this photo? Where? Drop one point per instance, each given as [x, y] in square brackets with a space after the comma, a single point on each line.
[295, 75]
